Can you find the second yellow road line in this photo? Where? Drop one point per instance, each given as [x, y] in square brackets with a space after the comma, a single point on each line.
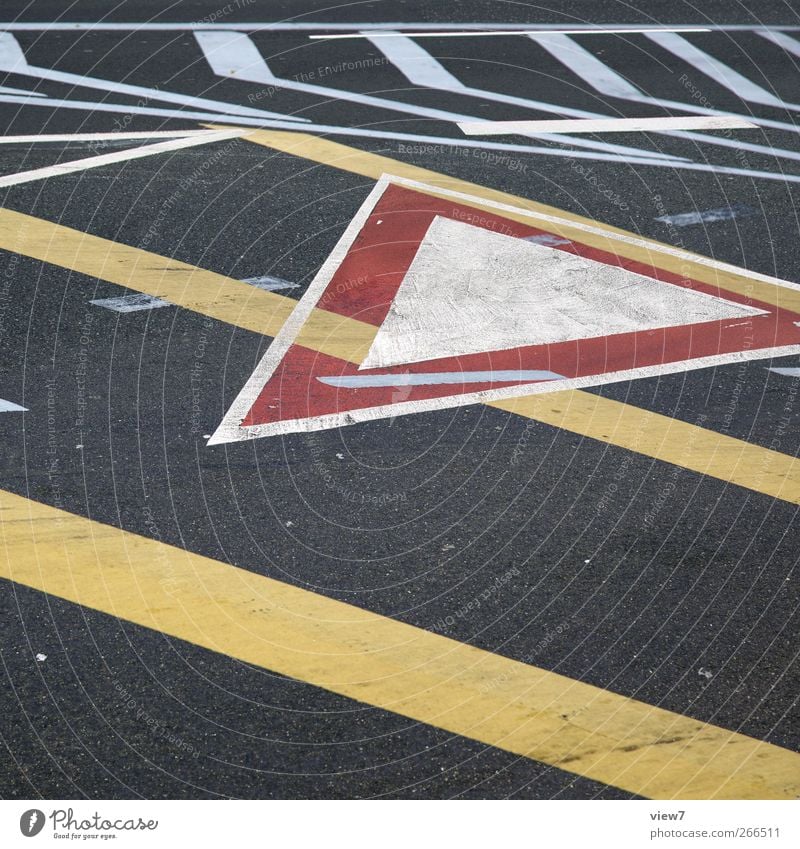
[208, 293]
[385, 663]
[663, 438]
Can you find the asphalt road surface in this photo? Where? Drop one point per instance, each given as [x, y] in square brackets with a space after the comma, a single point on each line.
[587, 592]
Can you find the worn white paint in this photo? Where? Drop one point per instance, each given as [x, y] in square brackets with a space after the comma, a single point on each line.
[604, 125]
[707, 216]
[470, 290]
[88, 162]
[366, 381]
[554, 222]
[230, 429]
[547, 239]
[11, 407]
[131, 303]
[269, 283]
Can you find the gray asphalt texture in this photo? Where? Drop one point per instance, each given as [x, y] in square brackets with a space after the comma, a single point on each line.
[626, 573]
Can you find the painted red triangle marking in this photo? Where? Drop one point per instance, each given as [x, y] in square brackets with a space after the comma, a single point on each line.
[298, 389]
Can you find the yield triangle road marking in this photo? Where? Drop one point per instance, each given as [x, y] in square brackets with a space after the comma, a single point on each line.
[459, 305]
[470, 290]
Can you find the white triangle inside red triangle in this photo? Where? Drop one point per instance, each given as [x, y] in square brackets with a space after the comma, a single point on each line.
[470, 289]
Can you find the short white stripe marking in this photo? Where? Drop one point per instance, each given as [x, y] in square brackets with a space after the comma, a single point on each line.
[788, 372]
[723, 213]
[434, 378]
[117, 156]
[270, 284]
[547, 239]
[11, 407]
[131, 303]
[604, 125]
[7, 89]
[472, 33]
[715, 69]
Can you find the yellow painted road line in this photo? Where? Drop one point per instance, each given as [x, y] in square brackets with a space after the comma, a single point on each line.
[663, 438]
[245, 306]
[648, 251]
[192, 288]
[382, 662]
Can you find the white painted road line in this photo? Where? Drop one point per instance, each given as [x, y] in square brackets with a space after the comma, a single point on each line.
[435, 378]
[586, 65]
[331, 26]
[117, 156]
[131, 303]
[789, 44]
[604, 125]
[716, 70]
[236, 56]
[12, 60]
[356, 132]
[420, 68]
[81, 137]
[464, 33]
[610, 83]
[11, 407]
